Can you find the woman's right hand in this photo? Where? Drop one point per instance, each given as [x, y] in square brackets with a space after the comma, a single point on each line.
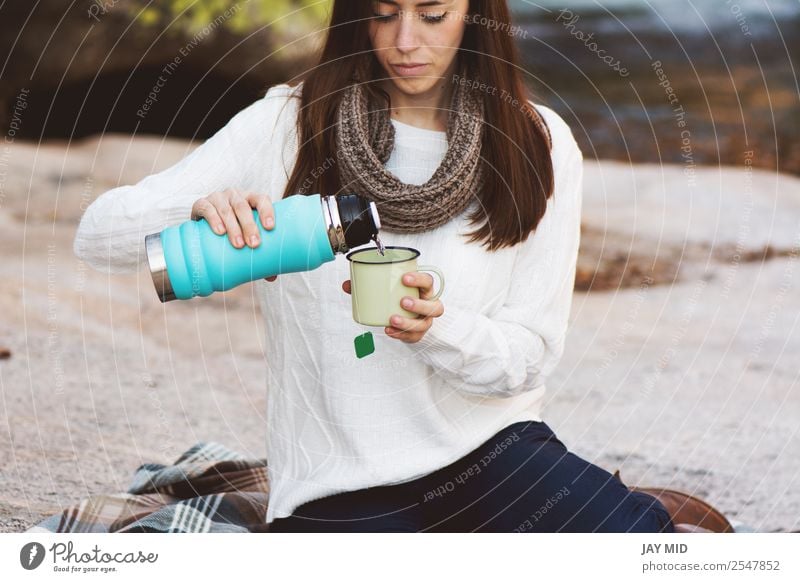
[231, 211]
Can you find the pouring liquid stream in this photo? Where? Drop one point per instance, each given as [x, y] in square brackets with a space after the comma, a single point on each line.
[379, 244]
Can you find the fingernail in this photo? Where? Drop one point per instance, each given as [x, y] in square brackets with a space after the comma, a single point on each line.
[270, 223]
[407, 302]
[254, 240]
[408, 279]
[218, 229]
[239, 241]
[395, 320]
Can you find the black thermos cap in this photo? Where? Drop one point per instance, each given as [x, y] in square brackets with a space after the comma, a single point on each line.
[359, 222]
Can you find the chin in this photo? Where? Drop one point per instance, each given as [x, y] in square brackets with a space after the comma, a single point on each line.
[415, 86]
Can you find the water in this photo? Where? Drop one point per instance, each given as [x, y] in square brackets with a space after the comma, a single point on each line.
[672, 10]
[729, 61]
[379, 244]
[687, 15]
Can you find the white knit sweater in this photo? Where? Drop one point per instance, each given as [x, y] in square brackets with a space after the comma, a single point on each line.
[335, 422]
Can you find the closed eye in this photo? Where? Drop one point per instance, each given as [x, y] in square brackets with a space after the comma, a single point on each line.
[434, 18]
[429, 18]
[384, 17]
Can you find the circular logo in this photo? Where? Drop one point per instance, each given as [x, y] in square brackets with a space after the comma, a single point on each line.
[31, 555]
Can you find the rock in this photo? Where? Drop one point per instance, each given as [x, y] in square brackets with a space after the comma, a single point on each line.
[658, 225]
[102, 71]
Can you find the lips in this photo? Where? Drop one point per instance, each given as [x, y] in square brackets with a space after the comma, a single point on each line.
[409, 69]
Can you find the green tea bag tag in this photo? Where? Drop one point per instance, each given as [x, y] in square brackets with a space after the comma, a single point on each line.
[365, 344]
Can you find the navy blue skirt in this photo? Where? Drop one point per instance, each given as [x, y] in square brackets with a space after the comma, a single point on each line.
[523, 479]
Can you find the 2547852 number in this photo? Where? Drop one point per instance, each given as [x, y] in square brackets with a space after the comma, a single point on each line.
[755, 565]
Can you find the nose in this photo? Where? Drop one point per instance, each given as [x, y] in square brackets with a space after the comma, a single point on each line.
[407, 40]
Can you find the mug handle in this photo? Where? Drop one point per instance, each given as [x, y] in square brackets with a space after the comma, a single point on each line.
[441, 280]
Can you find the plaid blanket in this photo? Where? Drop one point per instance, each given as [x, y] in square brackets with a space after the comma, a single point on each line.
[209, 489]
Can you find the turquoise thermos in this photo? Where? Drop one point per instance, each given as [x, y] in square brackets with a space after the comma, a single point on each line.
[190, 260]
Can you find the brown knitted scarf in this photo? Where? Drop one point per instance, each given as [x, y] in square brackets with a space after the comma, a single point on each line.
[365, 139]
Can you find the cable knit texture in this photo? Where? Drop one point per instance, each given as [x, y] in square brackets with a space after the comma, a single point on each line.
[335, 422]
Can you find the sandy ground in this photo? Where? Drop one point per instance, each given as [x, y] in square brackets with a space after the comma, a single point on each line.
[680, 368]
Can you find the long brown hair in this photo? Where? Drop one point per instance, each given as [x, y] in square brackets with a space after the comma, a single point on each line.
[515, 151]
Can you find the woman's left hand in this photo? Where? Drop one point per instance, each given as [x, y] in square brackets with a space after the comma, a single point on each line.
[412, 330]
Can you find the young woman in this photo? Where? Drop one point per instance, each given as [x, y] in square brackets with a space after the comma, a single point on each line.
[421, 107]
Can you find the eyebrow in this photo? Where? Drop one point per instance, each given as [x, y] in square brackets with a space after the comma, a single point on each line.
[420, 5]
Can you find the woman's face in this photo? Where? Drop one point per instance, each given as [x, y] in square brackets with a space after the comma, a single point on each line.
[423, 34]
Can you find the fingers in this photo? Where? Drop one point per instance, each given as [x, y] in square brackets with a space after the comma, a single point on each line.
[231, 211]
[423, 307]
[411, 330]
[221, 201]
[398, 322]
[204, 209]
[408, 330]
[263, 205]
[422, 280]
[244, 214]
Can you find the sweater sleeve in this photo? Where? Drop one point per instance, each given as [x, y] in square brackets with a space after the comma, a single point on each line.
[514, 349]
[110, 236]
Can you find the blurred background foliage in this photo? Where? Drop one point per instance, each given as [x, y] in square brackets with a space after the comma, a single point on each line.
[192, 15]
[733, 66]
